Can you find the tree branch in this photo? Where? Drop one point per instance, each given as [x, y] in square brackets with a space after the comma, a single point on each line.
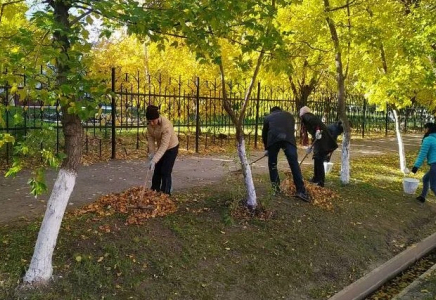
[226, 104]
[78, 18]
[250, 87]
[314, 48]
[340, 7]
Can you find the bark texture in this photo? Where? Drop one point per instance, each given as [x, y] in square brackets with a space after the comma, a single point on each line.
[40, 269]
[248, 176]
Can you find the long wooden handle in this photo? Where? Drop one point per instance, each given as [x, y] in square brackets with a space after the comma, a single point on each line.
[145, 184]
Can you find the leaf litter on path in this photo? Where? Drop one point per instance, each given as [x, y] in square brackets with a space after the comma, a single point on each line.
[130, 202]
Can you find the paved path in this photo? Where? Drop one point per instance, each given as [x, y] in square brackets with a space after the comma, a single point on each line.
[189, 171]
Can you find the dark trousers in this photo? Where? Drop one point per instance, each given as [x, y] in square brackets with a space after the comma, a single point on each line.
[292, 157]
[318, 167]
[429, 181]
[161, 181]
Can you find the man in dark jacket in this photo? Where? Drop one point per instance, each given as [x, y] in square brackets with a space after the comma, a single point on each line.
[278, 133]
[323, 143]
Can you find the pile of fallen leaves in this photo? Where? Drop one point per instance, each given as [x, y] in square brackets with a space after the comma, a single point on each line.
[320, 196]
[136, 203]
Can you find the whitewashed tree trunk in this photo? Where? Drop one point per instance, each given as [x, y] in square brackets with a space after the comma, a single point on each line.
[345, 158]
[401, 151]
[248, 176]
[340, 78]
[41, 269]
[238, 121]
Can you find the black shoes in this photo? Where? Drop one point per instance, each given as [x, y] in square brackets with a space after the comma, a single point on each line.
[318, 183]
[302, 196]
[420, 199]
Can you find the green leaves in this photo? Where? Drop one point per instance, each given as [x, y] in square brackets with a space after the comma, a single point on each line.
[6, 138]
[37, 183]
[16, 167]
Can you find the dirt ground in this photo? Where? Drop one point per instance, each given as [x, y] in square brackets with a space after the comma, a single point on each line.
[189, 171]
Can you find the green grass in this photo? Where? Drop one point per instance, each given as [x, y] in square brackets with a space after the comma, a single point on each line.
[202, 252]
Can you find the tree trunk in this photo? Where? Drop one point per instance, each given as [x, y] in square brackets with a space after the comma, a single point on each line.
[246, 171]
[302, 93]
[401, 151]
[305, 92]
[40, 269]
[238, 122]
[345, 156]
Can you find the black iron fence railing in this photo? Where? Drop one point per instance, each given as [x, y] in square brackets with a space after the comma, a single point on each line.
[196, 110]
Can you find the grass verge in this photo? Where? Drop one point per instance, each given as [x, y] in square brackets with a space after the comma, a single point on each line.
[205, 251]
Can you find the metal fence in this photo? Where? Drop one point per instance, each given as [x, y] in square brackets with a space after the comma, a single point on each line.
[196, 110]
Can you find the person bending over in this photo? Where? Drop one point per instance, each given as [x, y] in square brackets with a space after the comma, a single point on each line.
[322, 143]
[163, 147]
[278, 132]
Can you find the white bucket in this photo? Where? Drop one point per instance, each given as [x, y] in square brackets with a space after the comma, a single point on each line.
[328, 166]
[410, 185]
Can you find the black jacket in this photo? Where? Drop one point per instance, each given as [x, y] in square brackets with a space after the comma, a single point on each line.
[336, 129]
[327, 143]
[278, 127]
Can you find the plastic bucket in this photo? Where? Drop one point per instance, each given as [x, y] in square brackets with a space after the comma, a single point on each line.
[410, 185]
[328, 166]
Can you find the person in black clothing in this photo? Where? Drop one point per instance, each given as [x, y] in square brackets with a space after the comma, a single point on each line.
[323, 143]
[335, 129]
[278, 133]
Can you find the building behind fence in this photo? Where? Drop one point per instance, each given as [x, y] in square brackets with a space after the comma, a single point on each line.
[196, 110]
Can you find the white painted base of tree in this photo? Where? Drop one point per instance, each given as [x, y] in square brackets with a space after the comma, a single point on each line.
[401, 151]
[248, 176]
[345, 159]
[41, 269]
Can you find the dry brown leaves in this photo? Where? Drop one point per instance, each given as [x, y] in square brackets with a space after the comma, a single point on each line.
[320, 196]
[130, 202]
[242, 212]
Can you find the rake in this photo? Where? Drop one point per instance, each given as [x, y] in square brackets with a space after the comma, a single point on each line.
[239, 170]
[145, 184]
[258, 159]
[307, 153]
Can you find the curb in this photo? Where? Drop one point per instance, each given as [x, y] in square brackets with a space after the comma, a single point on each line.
[368, 284]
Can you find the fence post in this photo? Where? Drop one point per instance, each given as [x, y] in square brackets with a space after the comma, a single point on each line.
[364, 117]
[256, 128]
[405, 120]
[197, 116]
[113, 115]
[7, 119]
[386, 121]
[58, 107]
